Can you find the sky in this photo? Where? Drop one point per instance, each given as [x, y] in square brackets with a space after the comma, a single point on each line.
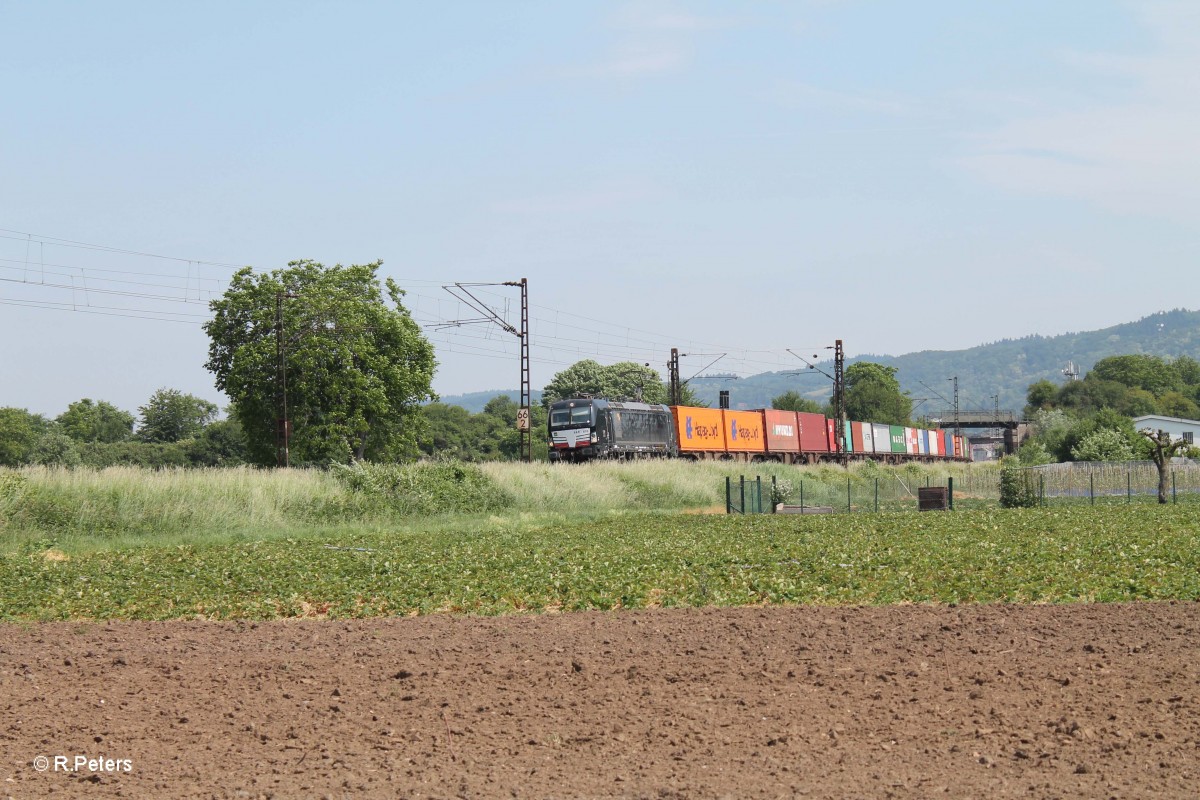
[747, 182]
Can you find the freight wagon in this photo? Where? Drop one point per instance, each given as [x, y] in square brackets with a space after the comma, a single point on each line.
[583, 429]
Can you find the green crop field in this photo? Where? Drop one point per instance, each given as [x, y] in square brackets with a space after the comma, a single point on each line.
[242, 544]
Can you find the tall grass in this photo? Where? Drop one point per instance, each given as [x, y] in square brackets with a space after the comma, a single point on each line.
[124, 506]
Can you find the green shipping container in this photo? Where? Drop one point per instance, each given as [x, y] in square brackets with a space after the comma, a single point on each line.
[899, 444]
[849, 442]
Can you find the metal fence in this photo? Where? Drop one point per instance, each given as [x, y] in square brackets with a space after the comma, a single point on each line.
[969, 486]
[850, 492]
[1112, 482]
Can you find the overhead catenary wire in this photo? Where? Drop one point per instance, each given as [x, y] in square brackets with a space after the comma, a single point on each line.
[559, 336]
[6, 233]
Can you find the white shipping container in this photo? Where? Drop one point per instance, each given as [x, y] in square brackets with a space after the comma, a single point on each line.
[868, 438]
[883, 437]
[923, 442]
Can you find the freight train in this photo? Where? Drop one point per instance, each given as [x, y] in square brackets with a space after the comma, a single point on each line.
[584, 429]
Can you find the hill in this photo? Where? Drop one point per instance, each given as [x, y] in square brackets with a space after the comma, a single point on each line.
[475, 401]
[1004, 368]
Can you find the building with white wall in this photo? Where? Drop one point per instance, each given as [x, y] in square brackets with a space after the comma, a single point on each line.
[1186, 429]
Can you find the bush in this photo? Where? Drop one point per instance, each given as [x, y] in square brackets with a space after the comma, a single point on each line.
[220, 444]
[25, 505]
[55, 450]
[1017, 486]
[1033, 453]
[1104, 444]
[132, 454]
[429, 487]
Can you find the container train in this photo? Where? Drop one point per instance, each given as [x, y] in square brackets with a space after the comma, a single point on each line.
[584, 429]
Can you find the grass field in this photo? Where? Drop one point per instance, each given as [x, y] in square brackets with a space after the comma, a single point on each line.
[84, 510]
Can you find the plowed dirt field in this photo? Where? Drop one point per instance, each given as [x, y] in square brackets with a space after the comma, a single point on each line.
[909, 702]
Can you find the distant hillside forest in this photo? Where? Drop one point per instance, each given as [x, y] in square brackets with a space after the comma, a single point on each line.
[1006, 368]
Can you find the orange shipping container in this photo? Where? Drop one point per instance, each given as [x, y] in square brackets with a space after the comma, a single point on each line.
[699, 428]
[783, 431]
[744, 432]
[856, 436]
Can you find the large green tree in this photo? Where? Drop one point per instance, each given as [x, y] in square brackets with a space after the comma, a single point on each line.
[1040, 396]
[19, 434]
[1139, 370]
[89, 421]
[357, 366]
[873, 394]
[170, 415]
[794, 401]
[622, 381]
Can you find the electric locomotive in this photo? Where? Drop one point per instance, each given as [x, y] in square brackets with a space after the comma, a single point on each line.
[582, 429]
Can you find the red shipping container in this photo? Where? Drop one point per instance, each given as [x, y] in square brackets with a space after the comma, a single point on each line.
[831, 431]
[783, 431]
[856, 436]
[814, 434]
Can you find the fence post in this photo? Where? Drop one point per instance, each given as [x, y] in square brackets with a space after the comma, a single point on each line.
[1128, 485]
[758, 484]
[728, 495]
[950, 491]
[743, 491]
[1174, 497]
[877, 495]
[774, 493]
[848, 509]
[1092, 487]
[1042, 490]
[801, 497]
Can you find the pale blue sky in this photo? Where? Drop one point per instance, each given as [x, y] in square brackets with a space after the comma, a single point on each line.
[725, 178]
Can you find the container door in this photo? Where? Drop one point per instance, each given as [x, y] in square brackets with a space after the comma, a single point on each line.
[744, 431]
[699, 429]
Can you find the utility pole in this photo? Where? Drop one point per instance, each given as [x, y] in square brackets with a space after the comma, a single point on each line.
[523, 413]
[460, 292]
[839, 397]
[283, 425]
[957, 420]
[673, 375]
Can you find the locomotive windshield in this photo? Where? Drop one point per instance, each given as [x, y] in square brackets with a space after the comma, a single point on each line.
[577, 415]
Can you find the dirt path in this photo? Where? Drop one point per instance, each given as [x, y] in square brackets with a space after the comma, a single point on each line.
[1075, 701]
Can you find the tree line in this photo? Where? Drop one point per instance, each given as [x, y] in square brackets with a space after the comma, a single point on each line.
[172, 429]
[329, 361]
[1092, 419]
